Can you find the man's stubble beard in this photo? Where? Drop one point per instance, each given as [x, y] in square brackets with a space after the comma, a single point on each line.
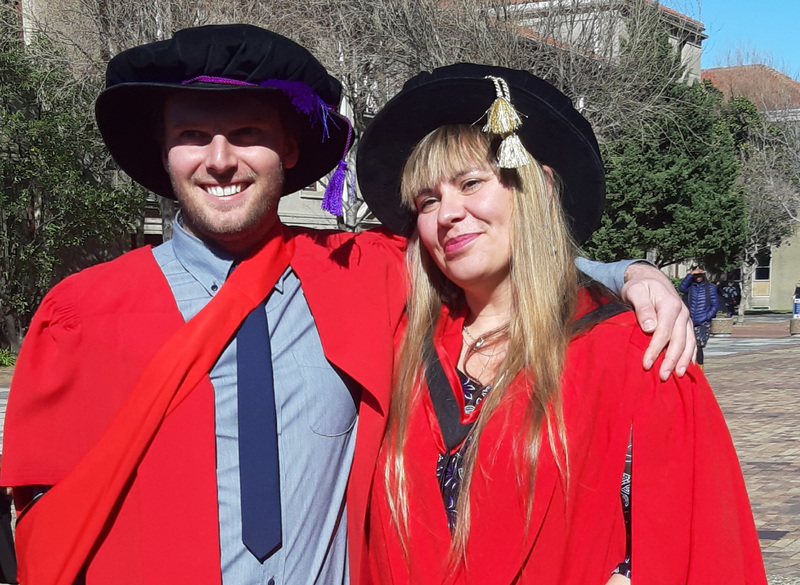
[217, 226]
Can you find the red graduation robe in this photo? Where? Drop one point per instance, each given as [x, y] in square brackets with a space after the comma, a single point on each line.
[96, 332]
[691, 518]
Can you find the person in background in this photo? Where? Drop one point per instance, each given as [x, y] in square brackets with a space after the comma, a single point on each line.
[796, 299]
[525, 443]
[703, 301]
[731, 294]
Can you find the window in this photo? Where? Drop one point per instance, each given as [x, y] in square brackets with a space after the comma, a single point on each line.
[763, 262]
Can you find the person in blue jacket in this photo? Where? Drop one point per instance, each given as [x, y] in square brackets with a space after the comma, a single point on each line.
[702, 299]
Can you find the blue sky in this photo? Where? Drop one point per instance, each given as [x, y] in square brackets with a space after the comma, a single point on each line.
[770, 27]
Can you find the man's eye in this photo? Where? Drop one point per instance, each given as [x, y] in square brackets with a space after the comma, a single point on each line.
[248, 136]
[248, 132]
[193, 137]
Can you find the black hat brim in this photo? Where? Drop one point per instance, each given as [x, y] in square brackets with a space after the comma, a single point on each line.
[567, 145]
[129, 118]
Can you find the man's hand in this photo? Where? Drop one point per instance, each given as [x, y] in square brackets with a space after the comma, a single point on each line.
[661, 311]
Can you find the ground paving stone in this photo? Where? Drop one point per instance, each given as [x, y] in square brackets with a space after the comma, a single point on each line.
[759, 392]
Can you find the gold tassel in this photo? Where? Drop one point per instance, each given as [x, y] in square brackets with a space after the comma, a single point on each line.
[501, 117]
[511, 154]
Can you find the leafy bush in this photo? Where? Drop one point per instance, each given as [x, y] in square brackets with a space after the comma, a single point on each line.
[62, 207]
[7, 358]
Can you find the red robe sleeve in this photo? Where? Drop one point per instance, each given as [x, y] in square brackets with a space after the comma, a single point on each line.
[691, 516]
[67, 384]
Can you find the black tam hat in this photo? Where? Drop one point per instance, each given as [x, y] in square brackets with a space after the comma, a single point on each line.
[522, 108]
[219, 58]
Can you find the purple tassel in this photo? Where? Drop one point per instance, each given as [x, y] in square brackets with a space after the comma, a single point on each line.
[304, 100]
[332, 201]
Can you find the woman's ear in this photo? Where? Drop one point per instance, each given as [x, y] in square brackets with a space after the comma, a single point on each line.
[551, 181]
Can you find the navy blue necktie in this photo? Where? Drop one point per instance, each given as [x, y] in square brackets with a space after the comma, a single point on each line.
[259, 471]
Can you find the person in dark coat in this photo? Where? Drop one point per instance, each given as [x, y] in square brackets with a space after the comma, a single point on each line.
[731, 294]
[701, 298]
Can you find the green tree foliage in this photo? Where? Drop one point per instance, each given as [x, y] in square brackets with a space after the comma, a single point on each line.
[762, 177]
[671, 186]
[768, 180]
[60, 207]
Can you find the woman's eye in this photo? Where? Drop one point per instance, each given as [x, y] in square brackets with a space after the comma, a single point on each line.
[470, 184]
[426, 203]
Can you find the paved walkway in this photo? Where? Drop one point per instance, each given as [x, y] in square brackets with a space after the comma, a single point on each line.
[756, 377]
[760, 395]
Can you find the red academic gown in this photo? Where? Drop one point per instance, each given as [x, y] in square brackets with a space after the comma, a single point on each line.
[691, 519]
[93, 336]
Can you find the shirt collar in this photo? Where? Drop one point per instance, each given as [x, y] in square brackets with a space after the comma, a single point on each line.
[208, 265]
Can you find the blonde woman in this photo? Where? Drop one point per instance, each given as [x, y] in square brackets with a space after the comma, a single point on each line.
[520, 399]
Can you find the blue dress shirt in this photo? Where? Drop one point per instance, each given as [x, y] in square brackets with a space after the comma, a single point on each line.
[316, 417]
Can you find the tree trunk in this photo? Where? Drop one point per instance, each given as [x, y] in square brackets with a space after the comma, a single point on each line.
[747, 271]
[168, 211]
[13, 333]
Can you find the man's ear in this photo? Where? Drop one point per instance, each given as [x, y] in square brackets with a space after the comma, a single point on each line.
[164, 157]
[160, 137]
[291, 152]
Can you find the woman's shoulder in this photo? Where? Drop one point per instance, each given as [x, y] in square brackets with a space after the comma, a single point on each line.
[606, 326]
[620, 332]
[600, 312]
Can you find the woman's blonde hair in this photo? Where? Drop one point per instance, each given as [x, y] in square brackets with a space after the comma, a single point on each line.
[543, 287]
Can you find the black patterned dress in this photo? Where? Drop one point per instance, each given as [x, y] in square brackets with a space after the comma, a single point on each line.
[450, 469]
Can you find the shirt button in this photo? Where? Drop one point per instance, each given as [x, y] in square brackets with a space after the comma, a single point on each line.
[271, 581]
[214, 287]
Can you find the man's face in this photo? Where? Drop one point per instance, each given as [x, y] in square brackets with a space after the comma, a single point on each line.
[225, 154]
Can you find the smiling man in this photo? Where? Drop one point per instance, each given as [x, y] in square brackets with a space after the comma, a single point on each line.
[187, 413]
[226, 165]
[225, 486]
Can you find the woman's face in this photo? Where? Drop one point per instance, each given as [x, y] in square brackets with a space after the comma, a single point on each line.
[465, 224]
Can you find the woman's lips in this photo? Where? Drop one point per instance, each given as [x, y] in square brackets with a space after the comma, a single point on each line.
[452, 245]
